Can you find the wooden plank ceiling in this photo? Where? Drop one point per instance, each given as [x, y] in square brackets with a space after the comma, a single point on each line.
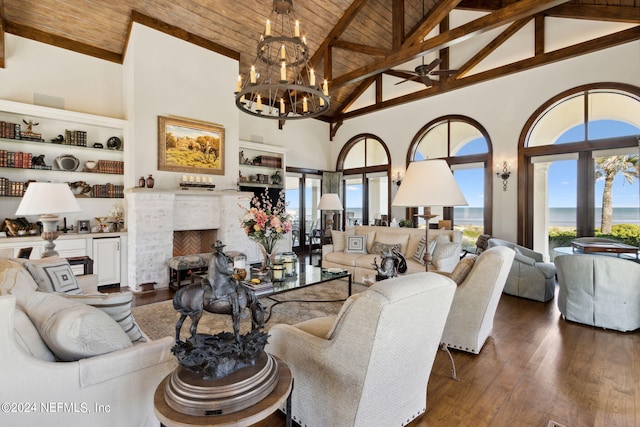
[353, 42]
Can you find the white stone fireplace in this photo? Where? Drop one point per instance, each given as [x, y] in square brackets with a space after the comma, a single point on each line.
[153, 216]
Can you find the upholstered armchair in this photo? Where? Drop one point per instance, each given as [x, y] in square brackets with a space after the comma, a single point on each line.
[599, 290]
[474, 305]
[530, 277]
[370, 364]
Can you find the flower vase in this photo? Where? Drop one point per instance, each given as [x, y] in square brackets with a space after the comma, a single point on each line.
[267, 259]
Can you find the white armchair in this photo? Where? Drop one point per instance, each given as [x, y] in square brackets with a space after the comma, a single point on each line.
[474, 305]
[370, 364]
[599, 290]
[530, 277]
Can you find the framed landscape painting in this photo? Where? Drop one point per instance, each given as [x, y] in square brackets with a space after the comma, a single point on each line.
[186, 145]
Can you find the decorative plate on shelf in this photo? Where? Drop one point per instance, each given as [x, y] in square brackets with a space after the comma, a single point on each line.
[67, 162]
[114, 143]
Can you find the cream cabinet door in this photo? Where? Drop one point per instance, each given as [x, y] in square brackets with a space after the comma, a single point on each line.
[106, 260]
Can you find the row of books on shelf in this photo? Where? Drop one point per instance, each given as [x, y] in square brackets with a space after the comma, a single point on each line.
[16, 159]
[112, 191]
[10, 130]
[261, 288]
[75, 137]
[11, 188]
[110, 166]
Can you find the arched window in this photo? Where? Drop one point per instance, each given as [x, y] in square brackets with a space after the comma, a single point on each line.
[466, 147]
[580, 154]
[365, 165]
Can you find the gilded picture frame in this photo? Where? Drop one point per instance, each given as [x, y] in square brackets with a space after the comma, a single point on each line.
[191, 146]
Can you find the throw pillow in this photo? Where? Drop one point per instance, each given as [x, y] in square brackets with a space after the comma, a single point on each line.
[442, 238]
[14, 279]
[339, 240]
[73, 330]
[462, 269]
[392, 238]
[356, 244]
[418, 255]
[444, 250]
[378, 247]
[53, 275]
[28, 338]
[118, 306]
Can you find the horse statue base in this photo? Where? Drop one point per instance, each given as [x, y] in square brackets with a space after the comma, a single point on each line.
[216, 356]
[188, 393]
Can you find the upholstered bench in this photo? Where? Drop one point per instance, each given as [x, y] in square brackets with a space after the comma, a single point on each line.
[181, 267]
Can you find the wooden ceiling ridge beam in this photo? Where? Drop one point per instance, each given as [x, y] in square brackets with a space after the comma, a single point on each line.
[2, 34]
[429, 22]
[601, 43]
[361, 48]
[61, 42]
[336, 31]
[491, 47]
[627, 14]
[506, 15]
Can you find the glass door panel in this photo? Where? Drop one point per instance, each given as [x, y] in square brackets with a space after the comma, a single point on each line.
[312, 193]
[470, 219]
[293, 199]
[378, 209]
[353, 201]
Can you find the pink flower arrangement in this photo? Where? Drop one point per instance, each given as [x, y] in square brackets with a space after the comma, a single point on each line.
[264, 223]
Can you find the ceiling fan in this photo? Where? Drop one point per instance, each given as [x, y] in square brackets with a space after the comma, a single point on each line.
[422, 73]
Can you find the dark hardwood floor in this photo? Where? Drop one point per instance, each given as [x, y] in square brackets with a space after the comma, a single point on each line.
[536, 367]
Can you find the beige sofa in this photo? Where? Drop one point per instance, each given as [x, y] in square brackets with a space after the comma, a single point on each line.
[66, 362]
[446, 253]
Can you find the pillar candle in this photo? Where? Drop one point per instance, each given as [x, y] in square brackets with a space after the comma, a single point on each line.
[267, 28]
[312, 78]
[283, 72]
[296, 30]
[253, 74]
[239, 84]
[259, 103]
[282, 106]
[304, 105]
[325, 87]
[283, 52]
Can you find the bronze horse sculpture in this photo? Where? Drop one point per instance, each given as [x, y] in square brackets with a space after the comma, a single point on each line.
[221, 293]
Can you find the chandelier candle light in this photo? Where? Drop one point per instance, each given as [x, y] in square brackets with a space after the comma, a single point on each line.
[281, 84]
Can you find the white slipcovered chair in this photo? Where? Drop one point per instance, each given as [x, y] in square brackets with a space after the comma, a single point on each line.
[599, 290]
[474, 305]
[530, 277]
[368, 366]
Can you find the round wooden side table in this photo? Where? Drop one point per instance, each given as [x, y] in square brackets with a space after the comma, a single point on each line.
[251, 415]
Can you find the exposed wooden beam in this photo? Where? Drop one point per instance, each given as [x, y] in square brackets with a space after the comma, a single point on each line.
[335, 32]
[444, 53]
[361, 48]
[397, 24]
[522, 9]
[573, 51]
[481, 5]
[491, 46]
[378, 88]
[539, 35]
[62, 42]
[429, 22]
[597, 13]
[179, 33]
[2, 34]
[362, 87]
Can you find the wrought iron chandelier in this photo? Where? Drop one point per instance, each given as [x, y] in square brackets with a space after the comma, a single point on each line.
[281, 85]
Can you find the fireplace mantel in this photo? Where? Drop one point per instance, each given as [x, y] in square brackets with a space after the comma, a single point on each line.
[153, 215]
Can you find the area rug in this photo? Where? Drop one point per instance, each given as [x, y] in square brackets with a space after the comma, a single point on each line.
[159, 320]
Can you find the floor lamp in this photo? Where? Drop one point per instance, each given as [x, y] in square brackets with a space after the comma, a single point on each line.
[48, 199]
[428, 183]
[329, 202]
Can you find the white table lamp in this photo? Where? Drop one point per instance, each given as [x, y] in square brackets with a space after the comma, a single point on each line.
[48, 199]
[329, 202]
[429, 183]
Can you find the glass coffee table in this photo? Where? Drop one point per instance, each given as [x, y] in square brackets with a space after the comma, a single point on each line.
[307, 276]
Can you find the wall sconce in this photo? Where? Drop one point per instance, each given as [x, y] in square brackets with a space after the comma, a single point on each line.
[398, 179]
[504, 174]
